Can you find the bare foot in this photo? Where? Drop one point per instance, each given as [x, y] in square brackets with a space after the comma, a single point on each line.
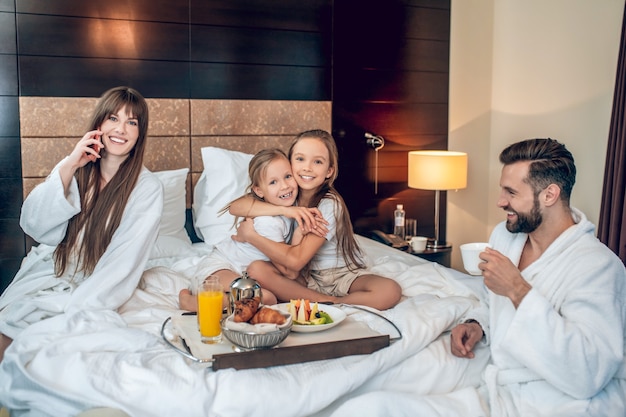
[187, 301]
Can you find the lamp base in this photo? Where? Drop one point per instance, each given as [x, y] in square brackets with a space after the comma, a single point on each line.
[436, 244]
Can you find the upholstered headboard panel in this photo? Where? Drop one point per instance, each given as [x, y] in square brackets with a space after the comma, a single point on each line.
[179, 128]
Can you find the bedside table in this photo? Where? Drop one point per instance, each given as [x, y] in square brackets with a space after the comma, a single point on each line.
[440, 255]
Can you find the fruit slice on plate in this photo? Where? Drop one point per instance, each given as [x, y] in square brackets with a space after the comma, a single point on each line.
[334, 313]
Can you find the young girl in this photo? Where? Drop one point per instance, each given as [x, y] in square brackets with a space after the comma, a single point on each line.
[332, 267]
[96, 217]
[271, 181]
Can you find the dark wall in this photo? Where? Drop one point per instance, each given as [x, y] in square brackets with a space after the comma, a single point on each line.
[12, 246]
[390, 78]
[383, 63]
[216, 49]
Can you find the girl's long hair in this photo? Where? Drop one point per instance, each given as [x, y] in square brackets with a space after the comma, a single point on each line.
[347, 247]
[90, 231]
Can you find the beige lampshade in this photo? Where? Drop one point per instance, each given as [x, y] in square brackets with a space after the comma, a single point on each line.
[437, 170]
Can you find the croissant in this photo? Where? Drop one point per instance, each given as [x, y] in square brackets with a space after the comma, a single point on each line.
[246, 309]
[267, 315]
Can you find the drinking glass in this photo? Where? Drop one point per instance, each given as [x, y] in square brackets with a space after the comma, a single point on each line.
[210, 299]
[410, 229]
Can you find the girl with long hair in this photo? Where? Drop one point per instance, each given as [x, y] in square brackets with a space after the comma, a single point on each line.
[96, 218]
[271, 181]
[328, 268]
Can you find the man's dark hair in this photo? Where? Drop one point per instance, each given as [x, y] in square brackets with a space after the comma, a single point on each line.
[551, 163]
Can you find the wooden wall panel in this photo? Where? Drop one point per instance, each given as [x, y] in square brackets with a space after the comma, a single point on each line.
[259, 82]
[12, 240]
[7, 33]
[312, 15]
[429, 23]
[259, 46]
[149, 10]
[90, 77]
[396, 118]
[10, 166]
[10, 196]
[102, 38]
[9, 122]
[391, 78]
[7, 5]
[8, 75]
[390, 86]
[404, 54]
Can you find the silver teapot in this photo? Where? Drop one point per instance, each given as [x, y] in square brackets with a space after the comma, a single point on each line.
[242, 288]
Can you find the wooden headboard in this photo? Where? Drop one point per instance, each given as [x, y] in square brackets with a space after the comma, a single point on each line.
[179, 128]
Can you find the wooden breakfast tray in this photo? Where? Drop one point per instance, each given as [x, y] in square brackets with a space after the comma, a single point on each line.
[350, 337]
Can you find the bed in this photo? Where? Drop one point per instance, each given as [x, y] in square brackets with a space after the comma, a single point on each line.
[121, 361]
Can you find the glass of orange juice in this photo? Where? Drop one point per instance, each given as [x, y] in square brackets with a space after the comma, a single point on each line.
[210, 299]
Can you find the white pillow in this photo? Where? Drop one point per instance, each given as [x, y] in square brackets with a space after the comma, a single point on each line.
[173, 239]
[225, 178]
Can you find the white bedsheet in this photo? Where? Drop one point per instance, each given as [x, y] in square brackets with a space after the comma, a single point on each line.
[67, 364]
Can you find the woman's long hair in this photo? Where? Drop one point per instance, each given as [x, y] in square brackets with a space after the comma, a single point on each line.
[90, 231]
[347, 245]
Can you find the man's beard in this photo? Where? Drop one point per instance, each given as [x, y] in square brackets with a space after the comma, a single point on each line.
[526, 223]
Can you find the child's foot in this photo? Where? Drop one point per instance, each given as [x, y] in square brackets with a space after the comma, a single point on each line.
[187, 301]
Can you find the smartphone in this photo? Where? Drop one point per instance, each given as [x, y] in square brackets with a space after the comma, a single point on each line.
[95, 146]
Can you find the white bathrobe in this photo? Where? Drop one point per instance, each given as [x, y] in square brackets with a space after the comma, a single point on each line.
[562, 351]
[560, 354]
[36, 293]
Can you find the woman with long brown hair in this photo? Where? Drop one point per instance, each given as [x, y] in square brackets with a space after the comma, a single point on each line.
[96, 218]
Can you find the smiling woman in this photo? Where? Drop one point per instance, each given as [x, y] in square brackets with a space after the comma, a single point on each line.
[118, 135]
[98, 202]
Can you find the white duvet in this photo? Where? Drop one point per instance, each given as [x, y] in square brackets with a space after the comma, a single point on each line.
[70, 363]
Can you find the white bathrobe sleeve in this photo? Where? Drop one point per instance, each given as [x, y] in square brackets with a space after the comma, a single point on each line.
[119, 270]
[47, 211]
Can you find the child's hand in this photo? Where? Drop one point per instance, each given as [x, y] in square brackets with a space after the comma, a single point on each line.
[319, 228]
[245, 229]
[309, 219]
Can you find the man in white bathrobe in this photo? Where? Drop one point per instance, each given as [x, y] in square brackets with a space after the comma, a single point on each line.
[556, 313]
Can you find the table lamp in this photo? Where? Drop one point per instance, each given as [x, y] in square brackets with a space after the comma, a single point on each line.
[438, 171]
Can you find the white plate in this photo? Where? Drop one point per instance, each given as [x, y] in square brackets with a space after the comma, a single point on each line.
[335, 313]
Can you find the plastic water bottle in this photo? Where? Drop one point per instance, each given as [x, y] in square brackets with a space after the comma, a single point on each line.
[398, 221]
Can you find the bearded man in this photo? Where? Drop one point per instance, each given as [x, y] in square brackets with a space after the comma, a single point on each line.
[556, 313]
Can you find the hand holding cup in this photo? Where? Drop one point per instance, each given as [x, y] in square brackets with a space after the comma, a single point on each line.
[470, 254]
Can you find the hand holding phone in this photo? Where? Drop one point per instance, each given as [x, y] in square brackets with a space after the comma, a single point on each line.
[96, 147]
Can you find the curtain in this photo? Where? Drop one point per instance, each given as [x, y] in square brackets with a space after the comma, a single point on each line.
[612, 223]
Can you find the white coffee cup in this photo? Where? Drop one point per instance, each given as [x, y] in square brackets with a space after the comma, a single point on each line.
[418, 243]
[469, 253]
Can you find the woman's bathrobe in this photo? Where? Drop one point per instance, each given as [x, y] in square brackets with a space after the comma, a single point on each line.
[36, 293]
[562, 351]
